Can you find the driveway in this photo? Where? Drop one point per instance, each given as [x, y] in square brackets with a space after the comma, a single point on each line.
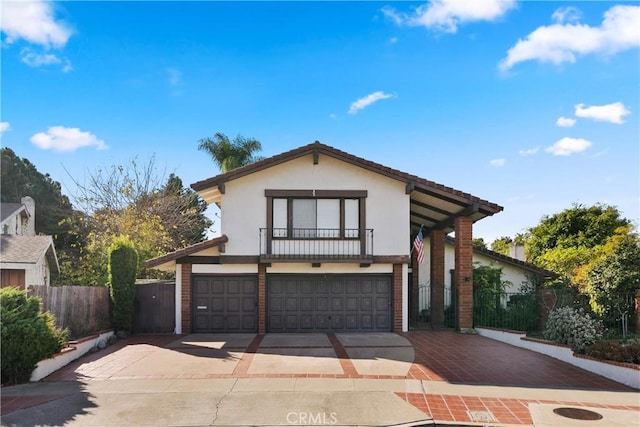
[418, 378]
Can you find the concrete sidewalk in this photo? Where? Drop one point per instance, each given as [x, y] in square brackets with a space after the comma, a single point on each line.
[318, 379]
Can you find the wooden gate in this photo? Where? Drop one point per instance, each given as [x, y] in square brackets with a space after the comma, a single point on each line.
[155, 308]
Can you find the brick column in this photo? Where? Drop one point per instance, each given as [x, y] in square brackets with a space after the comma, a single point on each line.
[397, 297]
[262, 298]
[464, 272]
[636, 321]
[186, 298]
[436, 238]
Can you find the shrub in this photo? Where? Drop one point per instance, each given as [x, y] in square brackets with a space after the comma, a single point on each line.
[28, 336]
[616, 351]
[123, 266]
[567, 325]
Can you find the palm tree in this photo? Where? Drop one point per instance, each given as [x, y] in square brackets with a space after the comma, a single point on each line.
[229, 155]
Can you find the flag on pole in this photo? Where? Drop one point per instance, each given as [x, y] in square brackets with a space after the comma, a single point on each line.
[418, 245]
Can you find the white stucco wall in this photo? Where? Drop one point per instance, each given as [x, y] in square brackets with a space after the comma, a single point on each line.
[244, 208]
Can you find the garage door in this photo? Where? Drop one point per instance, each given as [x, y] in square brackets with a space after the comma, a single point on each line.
[225, 304]
[321, 303]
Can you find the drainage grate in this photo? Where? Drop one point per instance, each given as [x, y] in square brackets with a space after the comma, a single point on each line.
[578, 414]
[481, 416]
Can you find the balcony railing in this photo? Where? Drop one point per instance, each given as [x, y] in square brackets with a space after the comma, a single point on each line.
[316, 244]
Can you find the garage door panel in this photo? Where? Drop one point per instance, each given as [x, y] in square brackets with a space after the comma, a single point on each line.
[322, 303]
[328, 303]
[225, 304]
[306, 321]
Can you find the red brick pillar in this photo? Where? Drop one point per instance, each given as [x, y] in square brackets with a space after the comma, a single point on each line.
[186, 298]
[397, 297]
[637, 307]
[464, 272]
[262, 298]
[436, 238]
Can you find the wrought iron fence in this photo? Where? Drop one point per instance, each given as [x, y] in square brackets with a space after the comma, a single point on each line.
[529, 311]
[316, 243]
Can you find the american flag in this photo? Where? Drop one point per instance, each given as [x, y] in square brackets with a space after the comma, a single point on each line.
[418, 245]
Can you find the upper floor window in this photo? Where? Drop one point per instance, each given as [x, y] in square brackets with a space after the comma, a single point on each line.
[334, 215]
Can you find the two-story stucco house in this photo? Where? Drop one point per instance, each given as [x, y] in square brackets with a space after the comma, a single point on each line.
[316, 239]
[25, 258]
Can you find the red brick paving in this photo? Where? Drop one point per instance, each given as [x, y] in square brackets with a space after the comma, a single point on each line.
[439, 356]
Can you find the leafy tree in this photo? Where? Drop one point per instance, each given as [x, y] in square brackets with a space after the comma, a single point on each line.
[229, 155]
[613, 278]
[20, 178]
[131, 200]
[503, 244]
[479, 243]
[577, 227]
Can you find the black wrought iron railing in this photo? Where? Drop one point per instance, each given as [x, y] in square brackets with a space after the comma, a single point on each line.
[316, 244]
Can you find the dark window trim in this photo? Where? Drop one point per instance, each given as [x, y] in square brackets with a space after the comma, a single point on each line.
[341, 195]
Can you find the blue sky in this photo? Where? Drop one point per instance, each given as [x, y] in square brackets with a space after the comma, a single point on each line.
[531, 105]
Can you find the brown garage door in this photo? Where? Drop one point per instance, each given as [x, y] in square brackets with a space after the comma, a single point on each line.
[225, 304]
[321, 303]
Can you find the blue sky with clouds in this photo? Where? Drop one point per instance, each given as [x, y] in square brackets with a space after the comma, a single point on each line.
[531, 105]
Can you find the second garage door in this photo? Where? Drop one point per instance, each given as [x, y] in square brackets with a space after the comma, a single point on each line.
[321, 303]
[225, 304]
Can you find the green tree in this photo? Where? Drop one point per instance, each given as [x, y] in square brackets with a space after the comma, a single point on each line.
[479, 243]
[577, 227]
[228, 155]
[123, 267]
[132, 200]
[613, 278]
[20, 178]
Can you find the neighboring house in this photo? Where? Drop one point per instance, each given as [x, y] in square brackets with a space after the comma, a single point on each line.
[316, 239]
[25, 259]
[515, 271]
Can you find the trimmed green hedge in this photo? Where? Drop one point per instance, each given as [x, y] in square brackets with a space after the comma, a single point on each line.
[123, 266]
[28, 336]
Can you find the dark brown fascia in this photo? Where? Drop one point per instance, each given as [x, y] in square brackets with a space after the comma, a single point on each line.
[413, 182]
[185, 252]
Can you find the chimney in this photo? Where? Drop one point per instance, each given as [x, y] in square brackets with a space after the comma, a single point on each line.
[30, 204]
[516, 250]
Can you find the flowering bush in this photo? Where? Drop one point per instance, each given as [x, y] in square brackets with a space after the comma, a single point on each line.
[567, 325]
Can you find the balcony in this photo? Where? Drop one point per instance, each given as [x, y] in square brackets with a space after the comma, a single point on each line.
[316, 245]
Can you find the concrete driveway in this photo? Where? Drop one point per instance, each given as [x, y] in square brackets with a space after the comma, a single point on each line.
[375, 379]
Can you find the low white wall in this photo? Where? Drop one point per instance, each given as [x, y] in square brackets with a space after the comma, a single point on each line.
[68, 355]
[625, 375]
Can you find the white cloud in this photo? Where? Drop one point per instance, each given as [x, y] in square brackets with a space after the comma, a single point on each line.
[34, 59]
[565, 122]
[568, 146]
[4, 126]
[393, 40]
[528, 152]
[34, 22]
[60, 138]
[566, 14]
[447, 15]
[562, 42]
[364, 102]
[498, 162]
[612, 113]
